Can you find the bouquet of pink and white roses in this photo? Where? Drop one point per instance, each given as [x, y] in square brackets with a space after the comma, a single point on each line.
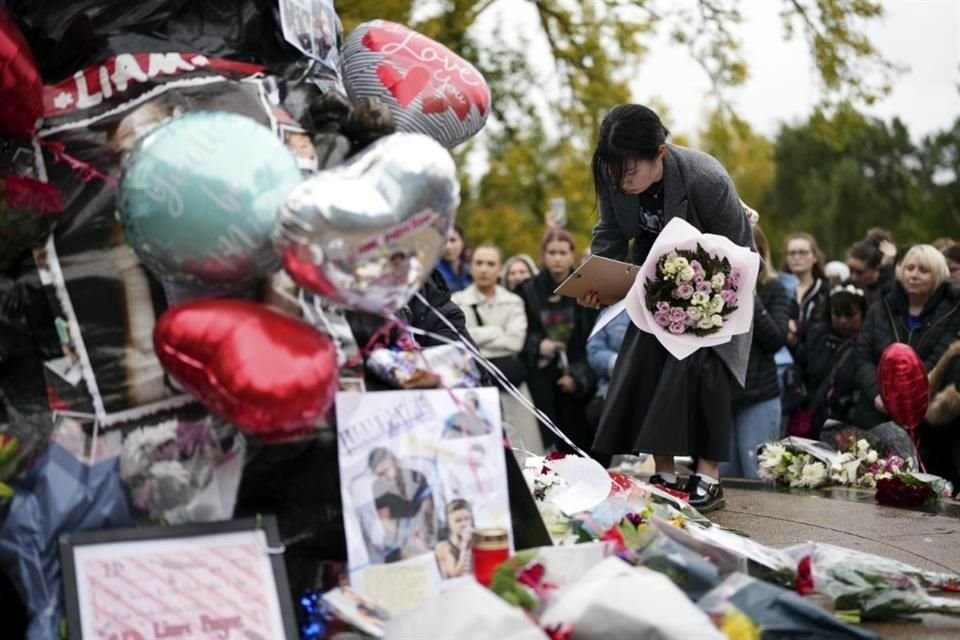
[694, 290]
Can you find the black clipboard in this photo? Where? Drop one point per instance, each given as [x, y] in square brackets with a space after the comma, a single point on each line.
[268, 524]
[611, 279]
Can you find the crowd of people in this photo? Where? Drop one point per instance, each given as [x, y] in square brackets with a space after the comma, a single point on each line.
[808, 368]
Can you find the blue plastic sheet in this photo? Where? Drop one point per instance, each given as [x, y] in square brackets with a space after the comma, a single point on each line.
[60, 495]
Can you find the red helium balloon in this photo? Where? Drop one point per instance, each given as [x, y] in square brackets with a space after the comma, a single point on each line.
[904, 387]
[21, 89]
[264, 372]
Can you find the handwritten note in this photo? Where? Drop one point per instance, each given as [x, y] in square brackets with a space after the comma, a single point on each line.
[213, 587]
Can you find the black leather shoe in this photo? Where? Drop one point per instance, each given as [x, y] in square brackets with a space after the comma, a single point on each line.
[658, 480]
[712, 498]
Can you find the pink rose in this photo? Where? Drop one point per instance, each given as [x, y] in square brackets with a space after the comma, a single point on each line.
[678, 315]
[662, 319]
[704, 287]
[728, 296]
[663, 307]
[684, 291]
[734, 277]
[677, 327]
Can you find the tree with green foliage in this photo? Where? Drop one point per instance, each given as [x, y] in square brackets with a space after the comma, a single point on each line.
[537, 146]
[746, 154]
[837, 175]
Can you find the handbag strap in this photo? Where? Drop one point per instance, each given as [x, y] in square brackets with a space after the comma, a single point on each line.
[476, 314]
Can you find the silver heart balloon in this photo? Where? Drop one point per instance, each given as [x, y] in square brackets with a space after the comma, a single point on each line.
[368, 233]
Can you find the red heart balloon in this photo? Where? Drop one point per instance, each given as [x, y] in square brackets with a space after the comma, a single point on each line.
[264, 372]
[21, 89]
[428, 88]
[904, 387]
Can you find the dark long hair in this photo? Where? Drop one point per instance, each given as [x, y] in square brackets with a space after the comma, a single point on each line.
[868, 252]
[628, 132]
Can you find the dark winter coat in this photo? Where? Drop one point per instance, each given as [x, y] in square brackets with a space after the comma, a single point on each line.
[886, 323]
[535, 293]
[944, 408]
[437, 293]
[696, 189]
[827, 367]
[771, 312]
[808, 310]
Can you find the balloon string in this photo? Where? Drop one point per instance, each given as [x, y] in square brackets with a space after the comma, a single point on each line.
[916, 447]
[87, 171]
[474, 353]
[380, 337]
[315, 314]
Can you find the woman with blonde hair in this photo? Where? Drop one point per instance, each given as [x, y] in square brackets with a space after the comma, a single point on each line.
[922, 310]
[756, 406]
[517, 270]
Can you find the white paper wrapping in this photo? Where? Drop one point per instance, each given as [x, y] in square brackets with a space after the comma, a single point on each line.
[466, 612]
[615, 600]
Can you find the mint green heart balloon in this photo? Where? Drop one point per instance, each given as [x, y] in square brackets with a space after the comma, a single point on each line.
[199, 198]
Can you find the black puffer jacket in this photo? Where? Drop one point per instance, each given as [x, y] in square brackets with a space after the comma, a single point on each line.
[771, 311]
[885, 324]
[809, 310]
[828, 370]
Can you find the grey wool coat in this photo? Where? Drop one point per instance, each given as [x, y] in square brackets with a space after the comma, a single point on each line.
[697, 189]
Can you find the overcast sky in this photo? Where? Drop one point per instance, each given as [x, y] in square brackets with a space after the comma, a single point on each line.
[921, 34]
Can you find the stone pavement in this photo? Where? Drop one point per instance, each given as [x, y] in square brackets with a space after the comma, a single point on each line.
[851, 518]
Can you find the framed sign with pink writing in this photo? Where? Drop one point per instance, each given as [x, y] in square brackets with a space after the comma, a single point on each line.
[211, 581]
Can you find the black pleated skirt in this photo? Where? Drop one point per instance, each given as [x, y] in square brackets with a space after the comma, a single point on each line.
[659, 405]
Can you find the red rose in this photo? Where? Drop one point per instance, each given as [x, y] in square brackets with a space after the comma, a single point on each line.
[804, 584]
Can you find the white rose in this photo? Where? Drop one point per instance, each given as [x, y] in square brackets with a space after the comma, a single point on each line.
[682, 263]
[862, 446]
[872, 456]
[686, 274]
[717, 281]
[699, 299]
[716, 320]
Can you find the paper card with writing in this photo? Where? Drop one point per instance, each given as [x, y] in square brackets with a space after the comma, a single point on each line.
[202, 588]
[419, 472]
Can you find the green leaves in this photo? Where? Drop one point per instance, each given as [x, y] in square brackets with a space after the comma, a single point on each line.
[545, 115]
